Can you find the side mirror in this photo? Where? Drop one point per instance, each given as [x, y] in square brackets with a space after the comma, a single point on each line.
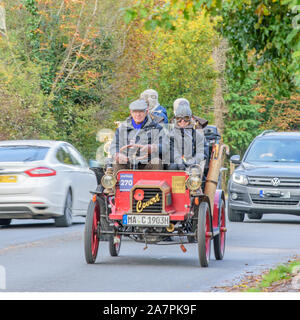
[94, 164]
[236, 159]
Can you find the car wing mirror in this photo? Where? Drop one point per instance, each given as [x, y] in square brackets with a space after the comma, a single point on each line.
[236, 159]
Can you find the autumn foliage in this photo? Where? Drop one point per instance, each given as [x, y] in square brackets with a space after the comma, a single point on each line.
[70, 67]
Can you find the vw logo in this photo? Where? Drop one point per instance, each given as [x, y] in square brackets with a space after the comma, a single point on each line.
[275, 182]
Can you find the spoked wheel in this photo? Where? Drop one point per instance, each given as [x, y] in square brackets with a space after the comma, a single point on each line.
[220, 239]
[204, 234]
[92, 232]
[114, 245]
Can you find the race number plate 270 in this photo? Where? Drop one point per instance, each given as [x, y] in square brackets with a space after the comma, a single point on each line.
[148, 221]
[126, 182]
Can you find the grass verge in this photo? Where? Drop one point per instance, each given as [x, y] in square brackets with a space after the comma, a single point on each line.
[276, 278]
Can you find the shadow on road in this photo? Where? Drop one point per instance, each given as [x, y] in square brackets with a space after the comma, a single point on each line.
[295, 221]
[36, 225]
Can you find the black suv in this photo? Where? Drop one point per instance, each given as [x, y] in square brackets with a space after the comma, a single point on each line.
[267, 179]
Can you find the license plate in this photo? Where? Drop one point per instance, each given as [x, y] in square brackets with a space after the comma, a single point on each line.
[8, 179]
[275, 194]
[150, 221]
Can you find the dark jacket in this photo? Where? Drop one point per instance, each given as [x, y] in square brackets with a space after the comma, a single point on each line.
[151, 133]
[187, 145]
[160, 114]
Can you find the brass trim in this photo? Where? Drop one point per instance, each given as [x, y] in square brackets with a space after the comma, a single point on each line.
[178, 185]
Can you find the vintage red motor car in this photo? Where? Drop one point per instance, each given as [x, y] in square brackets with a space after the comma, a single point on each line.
[149, 206]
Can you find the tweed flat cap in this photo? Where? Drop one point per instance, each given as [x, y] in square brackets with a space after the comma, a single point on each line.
[138, 105]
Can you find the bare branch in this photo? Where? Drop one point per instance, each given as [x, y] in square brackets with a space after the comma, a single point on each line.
[69, 50]
[83, 41]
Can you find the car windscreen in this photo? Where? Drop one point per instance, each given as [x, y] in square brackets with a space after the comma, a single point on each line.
[274, 150]
[22, 153]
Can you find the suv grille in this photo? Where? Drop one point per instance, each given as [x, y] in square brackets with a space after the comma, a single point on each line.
[267, 182]
[149, 194]
[293, 201]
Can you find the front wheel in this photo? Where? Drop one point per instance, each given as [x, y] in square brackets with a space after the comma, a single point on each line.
[204, 234]
[255, 216]
[114, 245]
[92, 232]
[235, 216]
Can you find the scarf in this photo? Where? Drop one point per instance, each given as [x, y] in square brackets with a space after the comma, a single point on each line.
[138, 126]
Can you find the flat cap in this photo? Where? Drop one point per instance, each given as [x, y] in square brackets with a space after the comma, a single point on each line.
[138, 105]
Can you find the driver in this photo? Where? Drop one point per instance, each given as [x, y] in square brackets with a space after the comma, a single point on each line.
[138, 140]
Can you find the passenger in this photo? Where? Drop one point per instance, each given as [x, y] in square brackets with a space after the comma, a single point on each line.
[156, 111]
[138, 137]
[187, 143]
[199, 123]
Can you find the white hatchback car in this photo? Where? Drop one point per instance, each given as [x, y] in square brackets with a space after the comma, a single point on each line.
[43, 179]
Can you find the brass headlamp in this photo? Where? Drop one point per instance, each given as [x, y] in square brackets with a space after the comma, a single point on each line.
[195, 179]
[108, 181]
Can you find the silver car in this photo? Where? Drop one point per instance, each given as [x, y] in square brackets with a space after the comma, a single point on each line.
[43, 179]
[267, 179]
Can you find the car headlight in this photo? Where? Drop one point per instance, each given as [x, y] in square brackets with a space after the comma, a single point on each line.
[193, 183]
[108, 181]
[240, 179]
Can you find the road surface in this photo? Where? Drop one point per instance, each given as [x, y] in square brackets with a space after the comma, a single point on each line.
[37, 257]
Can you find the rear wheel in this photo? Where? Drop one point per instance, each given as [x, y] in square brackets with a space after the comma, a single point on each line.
[204, 234]
[5, 222]
[92, 232]
[114, 245]
[220, 239]
[66, 220]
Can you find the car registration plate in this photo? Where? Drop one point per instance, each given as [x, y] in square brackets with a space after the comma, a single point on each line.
[143, 220]
[276, 194]
[8, 179]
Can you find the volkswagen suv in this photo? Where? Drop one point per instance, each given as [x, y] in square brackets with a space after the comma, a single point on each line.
[267, 179]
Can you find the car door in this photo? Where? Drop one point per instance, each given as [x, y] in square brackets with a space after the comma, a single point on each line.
[87, 179]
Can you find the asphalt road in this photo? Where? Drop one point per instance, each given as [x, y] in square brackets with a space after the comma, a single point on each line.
[37, 257]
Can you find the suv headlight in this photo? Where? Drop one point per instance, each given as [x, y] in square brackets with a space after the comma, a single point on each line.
[240, 179]
[108, 181]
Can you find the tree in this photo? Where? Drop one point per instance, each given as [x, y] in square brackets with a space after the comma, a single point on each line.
[177, 63]
[72, 47]
[268, 30]
[185, 67]
[244, 118]
[262, 37]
